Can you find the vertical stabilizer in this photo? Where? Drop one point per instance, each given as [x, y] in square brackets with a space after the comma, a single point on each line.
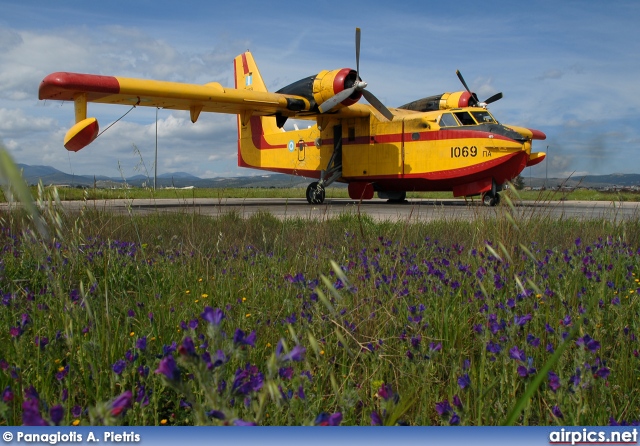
[248, 78]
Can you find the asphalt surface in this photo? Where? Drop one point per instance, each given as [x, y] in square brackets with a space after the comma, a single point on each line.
[380, 210]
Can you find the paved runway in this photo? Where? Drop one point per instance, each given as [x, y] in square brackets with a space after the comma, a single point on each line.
[380, 210]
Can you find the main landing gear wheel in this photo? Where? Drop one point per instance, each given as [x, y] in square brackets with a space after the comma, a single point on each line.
[491, 199]
[315, 193]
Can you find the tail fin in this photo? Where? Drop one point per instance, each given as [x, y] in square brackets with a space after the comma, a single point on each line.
[248, 78]
[252, 129]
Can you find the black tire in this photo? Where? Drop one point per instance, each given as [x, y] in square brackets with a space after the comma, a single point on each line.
[488, 199]
[315, 193]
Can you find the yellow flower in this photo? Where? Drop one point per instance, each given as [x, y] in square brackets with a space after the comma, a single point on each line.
[268, 344]
[196, 301]
[60, 369]
[132, 334]
[187, 292]
[322, 352]
[75, 422]
[247, 315]
[200, 279]
[163, 421]
[244, 299]
[204, 295]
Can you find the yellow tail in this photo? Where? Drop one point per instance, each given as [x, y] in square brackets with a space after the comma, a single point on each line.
[248, 78]
[261, 143]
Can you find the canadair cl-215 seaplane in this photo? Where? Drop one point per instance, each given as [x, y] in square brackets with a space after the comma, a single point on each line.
[448, 142]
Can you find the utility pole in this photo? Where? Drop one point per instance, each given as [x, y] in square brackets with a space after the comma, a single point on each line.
[546, 164]
[155, 164]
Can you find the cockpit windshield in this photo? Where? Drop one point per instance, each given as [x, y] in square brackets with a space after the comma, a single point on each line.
[465, 118]
[483, 117]
[448, 120]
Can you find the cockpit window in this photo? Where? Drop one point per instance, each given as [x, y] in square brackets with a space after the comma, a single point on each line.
[483, 117]
[448, 120]
[465, 118]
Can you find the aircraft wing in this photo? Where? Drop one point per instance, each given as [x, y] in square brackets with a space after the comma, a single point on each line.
[211, 97]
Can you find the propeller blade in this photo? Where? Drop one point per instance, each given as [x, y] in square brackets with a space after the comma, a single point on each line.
[493, 98]
[462, 80]
[475, 97]
[357, 52]
[336, 99]
[375, 102]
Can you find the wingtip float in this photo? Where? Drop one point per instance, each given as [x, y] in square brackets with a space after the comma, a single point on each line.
[446, 142]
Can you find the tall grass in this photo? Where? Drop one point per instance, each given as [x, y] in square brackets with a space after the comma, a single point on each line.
[182, 319]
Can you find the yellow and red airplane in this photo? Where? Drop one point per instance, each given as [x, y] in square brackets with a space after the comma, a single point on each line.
[448, 142]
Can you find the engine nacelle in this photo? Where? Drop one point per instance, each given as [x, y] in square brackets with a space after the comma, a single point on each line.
[326, 84]
[445, 101]
[329, 83]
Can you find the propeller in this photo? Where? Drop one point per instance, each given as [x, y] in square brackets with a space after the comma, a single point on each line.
[487, 101]
[358, 85]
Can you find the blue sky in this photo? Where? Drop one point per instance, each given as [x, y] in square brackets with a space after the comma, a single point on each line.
[568, 68]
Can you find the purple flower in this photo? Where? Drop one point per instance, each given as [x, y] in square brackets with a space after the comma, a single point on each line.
[386, 392]
[7, 394]
[522, 320]
[121, 403]
[141, 343]
[247, 380]
[464, 381]
[555, 410]
[554, 381]
[240, 338]
[444, 408]
[454, 420]
[239, 422]
[31, 413]
[57, 414]
[517, 354]
[494, 347]
[119, 366]
[217, 414]
[324, 419]
[602, 373]
[187, 348]
[168, 368]
[457, 402]
[213, 315]
[376, 420]
[285, 372]
[296, 354]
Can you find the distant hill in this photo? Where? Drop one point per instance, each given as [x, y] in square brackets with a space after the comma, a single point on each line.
[51, 176]
[591, 181]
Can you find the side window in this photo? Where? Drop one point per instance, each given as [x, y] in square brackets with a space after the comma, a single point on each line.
[465, 118]
[448, 120]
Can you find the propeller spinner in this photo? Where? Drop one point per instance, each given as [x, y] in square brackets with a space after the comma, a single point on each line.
[487, 101]
[358, 86]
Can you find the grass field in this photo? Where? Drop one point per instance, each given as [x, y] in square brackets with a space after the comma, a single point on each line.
[184, 319]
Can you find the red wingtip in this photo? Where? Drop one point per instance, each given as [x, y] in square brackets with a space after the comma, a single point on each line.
[537, 134]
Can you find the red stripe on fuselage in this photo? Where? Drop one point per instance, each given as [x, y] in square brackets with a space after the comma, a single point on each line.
[63, 86]
[502, 169]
